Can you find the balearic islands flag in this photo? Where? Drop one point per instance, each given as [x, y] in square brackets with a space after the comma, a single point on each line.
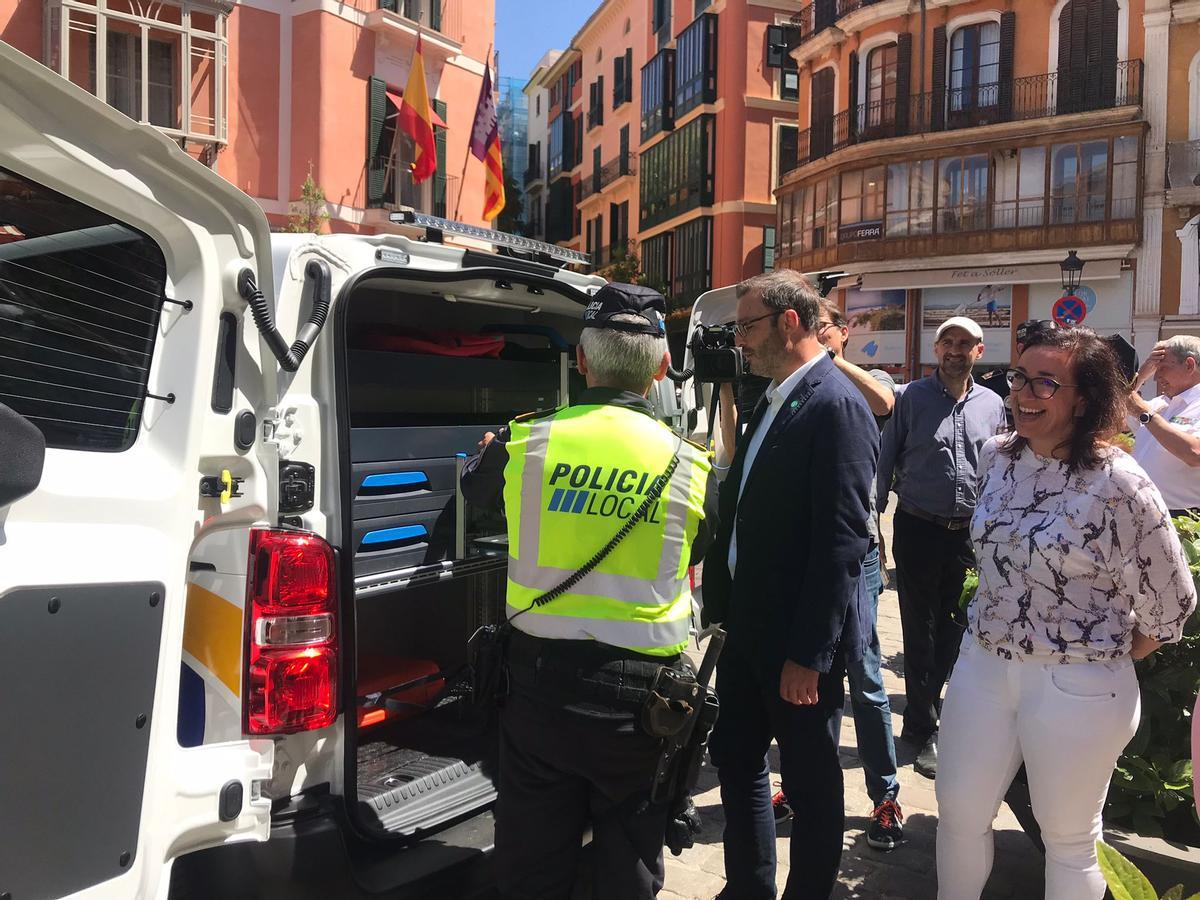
[485, 146]
[416, 118]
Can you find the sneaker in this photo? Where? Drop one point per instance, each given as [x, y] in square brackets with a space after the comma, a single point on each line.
[782, 810]
[886, 829]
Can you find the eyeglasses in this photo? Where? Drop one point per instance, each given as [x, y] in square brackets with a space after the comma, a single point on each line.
[821, 326]
[741, 329]
[1043, 388]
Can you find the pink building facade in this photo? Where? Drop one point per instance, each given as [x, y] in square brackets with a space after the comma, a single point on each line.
[267, 91]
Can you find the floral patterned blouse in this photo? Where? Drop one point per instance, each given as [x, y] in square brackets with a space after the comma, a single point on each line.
[1069, 564]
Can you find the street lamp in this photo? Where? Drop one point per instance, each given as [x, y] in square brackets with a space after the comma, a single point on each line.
[1072, 271]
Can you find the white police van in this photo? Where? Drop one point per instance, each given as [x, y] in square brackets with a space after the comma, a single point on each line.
[236, 589]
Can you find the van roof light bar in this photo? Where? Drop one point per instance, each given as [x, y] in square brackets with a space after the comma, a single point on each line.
[496, 238]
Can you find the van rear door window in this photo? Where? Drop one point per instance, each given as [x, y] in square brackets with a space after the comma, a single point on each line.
[80, 298]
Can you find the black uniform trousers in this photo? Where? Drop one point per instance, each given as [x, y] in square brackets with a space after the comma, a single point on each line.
[931, 562]
[752, 713]
[573, 754]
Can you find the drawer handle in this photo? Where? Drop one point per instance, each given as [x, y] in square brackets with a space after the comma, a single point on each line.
[404, 534]
[388, 481]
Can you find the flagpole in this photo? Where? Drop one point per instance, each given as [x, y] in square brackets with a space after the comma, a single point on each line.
[462, 179]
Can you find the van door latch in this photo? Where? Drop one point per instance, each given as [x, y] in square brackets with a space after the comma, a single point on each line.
[225, 486]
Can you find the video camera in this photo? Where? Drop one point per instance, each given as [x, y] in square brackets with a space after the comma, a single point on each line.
[715, 357]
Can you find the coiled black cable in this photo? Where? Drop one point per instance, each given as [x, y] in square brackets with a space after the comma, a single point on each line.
[316, 272]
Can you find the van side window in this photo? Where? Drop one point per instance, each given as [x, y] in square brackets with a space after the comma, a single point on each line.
[80, 297]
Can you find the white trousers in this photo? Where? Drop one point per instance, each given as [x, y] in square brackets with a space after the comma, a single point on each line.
[1069, 723]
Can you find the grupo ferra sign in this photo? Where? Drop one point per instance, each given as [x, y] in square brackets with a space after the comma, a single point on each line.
[1037, 273]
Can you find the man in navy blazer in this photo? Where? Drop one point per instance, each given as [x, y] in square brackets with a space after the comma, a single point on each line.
[784, 575]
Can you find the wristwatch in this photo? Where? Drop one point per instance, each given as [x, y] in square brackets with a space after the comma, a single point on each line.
[1145, 417]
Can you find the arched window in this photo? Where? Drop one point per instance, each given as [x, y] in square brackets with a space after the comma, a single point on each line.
[882, 70]
[975, 67]
[1087, 55]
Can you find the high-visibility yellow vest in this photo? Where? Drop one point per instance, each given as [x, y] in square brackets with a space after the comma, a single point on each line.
[573, 478]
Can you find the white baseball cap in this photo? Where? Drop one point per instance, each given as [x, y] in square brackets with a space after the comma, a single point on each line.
[970, 326]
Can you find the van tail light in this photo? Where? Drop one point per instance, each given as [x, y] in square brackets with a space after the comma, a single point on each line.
[291, 678]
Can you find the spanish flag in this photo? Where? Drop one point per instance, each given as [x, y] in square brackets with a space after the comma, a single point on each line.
[416, 118]
[485, 146]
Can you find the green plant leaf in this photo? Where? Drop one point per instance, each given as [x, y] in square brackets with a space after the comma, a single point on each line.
[1122, 876]
[1147, 824]
[1175, 893]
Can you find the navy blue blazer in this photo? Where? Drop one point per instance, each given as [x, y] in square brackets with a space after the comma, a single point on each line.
[799, 592]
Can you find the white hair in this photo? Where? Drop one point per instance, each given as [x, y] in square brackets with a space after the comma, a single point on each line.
[623, 359]
[1184, 345]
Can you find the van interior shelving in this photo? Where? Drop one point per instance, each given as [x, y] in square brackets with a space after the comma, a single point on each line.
[428, 369]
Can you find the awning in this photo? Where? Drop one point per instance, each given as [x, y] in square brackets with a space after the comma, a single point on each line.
[397, 99]
[1093, 270]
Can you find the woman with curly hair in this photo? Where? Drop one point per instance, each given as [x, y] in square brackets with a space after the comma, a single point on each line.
[1080, 573]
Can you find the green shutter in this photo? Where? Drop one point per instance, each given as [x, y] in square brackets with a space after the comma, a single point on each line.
[439, 177]
[376, 156]
[389, 5]
[435, 14]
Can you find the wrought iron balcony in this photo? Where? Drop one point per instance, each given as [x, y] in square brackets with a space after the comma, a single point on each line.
[819, 15]
[625, 164]
[1031, 97]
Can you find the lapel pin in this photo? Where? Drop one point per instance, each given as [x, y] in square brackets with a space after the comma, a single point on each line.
[795, 403]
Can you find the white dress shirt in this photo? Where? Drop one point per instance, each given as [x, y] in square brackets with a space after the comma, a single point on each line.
[776, 395]
[1178, 482]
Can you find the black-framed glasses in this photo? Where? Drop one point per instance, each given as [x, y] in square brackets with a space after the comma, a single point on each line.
[1043, 388]
[741, 329]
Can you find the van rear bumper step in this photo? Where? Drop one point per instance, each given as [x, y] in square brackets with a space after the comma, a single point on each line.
[402, 791]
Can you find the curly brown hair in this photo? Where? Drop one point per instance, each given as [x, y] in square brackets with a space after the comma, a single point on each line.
[1096, 372]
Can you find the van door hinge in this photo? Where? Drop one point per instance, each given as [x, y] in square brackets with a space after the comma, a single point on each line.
[279, 428]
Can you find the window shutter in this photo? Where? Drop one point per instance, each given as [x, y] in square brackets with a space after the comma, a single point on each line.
[389, 5]
[903, 81]
[618, 65]
[599, 99]
[628, 74]
[439, 177]
[855, 110]
[1008, 34]
[937, 111]
[775, 46]
[435, 14]
[1108, 53]
[376, 156]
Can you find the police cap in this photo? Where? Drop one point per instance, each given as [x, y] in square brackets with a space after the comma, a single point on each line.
[614, 300]
[1029, 331]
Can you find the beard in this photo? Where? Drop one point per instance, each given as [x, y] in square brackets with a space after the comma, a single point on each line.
[955, 368]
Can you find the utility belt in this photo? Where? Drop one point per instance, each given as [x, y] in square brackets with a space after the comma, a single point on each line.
[586, 670]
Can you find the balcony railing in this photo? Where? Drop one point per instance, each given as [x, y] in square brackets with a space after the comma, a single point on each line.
[1031, 97]
[436, 195]
[1183, 173]
[535, 172]
[425, 12]
[595, 115]
[819, 15]
[625, 164]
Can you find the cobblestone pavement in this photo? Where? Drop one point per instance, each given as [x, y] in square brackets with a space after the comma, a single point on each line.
[906, 873]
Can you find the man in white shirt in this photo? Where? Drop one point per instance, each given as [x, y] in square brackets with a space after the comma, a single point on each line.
[1166, 430]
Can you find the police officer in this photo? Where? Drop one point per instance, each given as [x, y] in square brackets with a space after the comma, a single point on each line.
[572, 751]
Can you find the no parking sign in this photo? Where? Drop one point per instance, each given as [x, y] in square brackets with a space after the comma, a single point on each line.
[1067, 311]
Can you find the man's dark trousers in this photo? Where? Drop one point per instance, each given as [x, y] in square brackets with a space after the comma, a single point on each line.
[752, 713]
[931, 562]
[572, 754]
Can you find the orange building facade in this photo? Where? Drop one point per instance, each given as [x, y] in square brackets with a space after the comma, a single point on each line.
[946, 161]
[671, 114]
[267, 91]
